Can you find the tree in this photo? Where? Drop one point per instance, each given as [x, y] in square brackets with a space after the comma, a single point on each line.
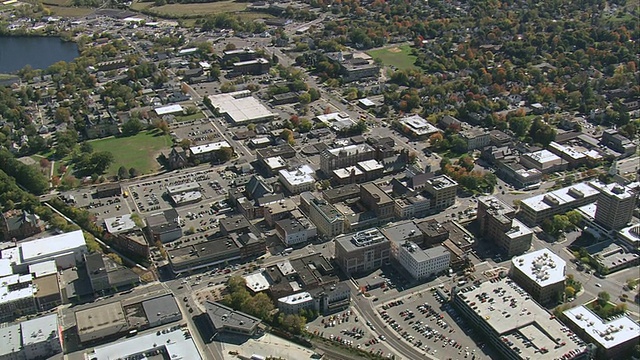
[115, 257]
[304, 98]
[569, 292]
[133, 172]
[62, 115]
[294, 323]
[230, 46]
[122, 173]
[101, 161]
[224, 154]
[227, 87]
[132, 127]
[519, 125]
[458, 144]
[574, 217]
[603, 298]
[561, 222]
[163, 126]
[86, 147]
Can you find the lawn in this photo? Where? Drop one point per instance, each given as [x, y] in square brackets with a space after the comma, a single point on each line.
[69, 11]
[192, 9]
[139, 151]
[397, 56]
[57, 2]
[196, 116]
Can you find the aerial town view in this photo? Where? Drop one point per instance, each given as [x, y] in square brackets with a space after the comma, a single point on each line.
[319, 179]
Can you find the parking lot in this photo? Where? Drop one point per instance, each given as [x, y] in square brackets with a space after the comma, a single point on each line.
[429, 323]
[197, 131]
[348, 328]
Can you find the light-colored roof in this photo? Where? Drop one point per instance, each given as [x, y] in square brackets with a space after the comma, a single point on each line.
[101, 317]
[302, 175]
[39, 329]
[370, 165]
[351, 150]
[201, 149]
[543, 156]
[43, 268]
[257, 281]
[187, 51]
[180, 188]
[607, 334]
[175, 343]
[240, 106]
[275, 162]
[344, 173]
[568, 151]
[418, 125]
[618, 191]
[11, 341]
[170, 109]
[52, 245]
[420, 256]
[286, 268]
[7, 295]
[366, 102]
[542, 266]
[561, 196]
[249, 62]
[119, 224]
[5, 267]
[298, 298]
[518, 229]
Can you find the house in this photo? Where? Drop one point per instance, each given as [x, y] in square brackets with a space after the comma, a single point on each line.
[20, 224]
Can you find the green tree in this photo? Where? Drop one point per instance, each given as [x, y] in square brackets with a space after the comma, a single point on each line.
[561, 222]
[569, 292]
[519, 125]
[133, 172]
[304, 98]
[603, 298]
[101, 161]
[132, 127]
[574, 217]
[227, 87]
[122, 173]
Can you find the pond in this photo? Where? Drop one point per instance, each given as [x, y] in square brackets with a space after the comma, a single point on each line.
[39, 52]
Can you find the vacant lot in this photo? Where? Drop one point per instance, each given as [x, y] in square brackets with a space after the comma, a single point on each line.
[199, 9]
[397, 56]
[139, 151]
[65, 11]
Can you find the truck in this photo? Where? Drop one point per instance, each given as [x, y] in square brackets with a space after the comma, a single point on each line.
[257, 357]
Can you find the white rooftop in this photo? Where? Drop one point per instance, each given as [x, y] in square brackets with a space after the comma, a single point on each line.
[43, 268]
[518, 229]
[366, 102]
[7, 296]
[351, 150]
[607, 334]
[175, 343]
[613, 190]
[39, 329]
[11, 341]
[240, 106]
[257, 281]
[562, 196]
[5, 267]
[12, 254]
[52, 245]
[569, 151]
[370, 165]
[275, 162]
[298, 298]
[119, 224]
[201, 149]
[344, 173]
[543, 156]
[170, 109]
[286, 268]
[542, 266]
[418, 125]
[332, 117]
[302, 175]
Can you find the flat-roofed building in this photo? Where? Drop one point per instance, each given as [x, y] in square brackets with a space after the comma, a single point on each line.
[254, 67]
[37, 338]
[537, 208]
[225, 319]
[615, 205]
[298, 180]
[169, 110]
[411, 206]
[16, 296]
[418, 127]
[376, 200]
[516, 326]
[350, 155]
[442, 190]
[328, 220]
[363, 251]
[372, 169]
[161, 310]
[497, 223]
[210, 151]
[348, 175]
[101, 322]
[475, 137]
[419, 263]
[163, 226]
[403, 231]
[278, 210]
[240, 107]
[292, 304]
[295, 231]
[541, 273]
[433, 232]
[573, 157]
[614, 338]
[543, 160]
[274, 164]
[66, 249]
[48, 294]
[107, 190]
[341, 193]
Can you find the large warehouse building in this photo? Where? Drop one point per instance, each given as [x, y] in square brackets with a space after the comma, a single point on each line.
[241, 108]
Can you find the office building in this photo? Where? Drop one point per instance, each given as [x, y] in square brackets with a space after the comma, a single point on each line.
[497, 223]
[324, 300]
[442, 190]
[615, 205]
[417, 127]
[295, 231]
[350, 155]
[363, 251]
[615, 141]
[298, 180]
[104, 321]
[422, 264]
[161, 310]
[354, 66]
[253, 67]
[537, 208]
[475, 137]
[543, 160]
[614, 338]
[209, 152]
[376, 200]
[225, 319]
[328, 220]
[38, 338]
[278, 210]
[163, 226]
[541, 273]
[515, 325]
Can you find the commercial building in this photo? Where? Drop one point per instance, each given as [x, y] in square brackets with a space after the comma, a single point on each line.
[573, 157]
[537, 208]
[496, 221]
[350, 155]
[403, 231]
[324, 300]
[411, 206]
[105, 274]
[240, 108]
[363, 251]
[161, 310]
[516, 326]
[421, 264]
[341, 193]
[515, 173]
[615, 141]
[348, 175]
[354, 66]
[169, 110]
[163, 226]
[253, 67]
[475, 138]
[302, 274]
[16, 296]
[614, 338]
[295, 231]
[328, 220]
[541, 273]
[66, 249]
[209, 152]
[299, 180]
[38, 338]
[184, 194]
[433, 232]
[417, 127]
[48, 294]
[615, 205]
[376, 200]
[543, 160]
[101, 322]
[442, 190]
[108, 190]
[225, 319]
[172, 344]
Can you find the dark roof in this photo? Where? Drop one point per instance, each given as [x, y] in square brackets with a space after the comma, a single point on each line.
[419, 180]
[94, 263]
[164, 221]
[222, 316]
[16, 219]
[159, 308]
[107, 187]
[257, 187]
[234, 223]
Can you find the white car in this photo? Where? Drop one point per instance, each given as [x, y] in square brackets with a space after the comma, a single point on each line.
[598, 285]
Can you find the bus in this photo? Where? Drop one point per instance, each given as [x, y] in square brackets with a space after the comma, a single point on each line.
[287, 251]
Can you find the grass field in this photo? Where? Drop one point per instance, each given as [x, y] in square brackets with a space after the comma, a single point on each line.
[139, 151]
[192, 9]
[196, 116]
[69, 11]
[57, 2]
[397, 56]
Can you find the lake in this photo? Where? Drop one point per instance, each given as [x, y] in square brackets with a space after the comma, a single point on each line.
[39, 52]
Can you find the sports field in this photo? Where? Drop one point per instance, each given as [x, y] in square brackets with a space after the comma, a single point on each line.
[397, 56]
[139, 151]
[192, 8]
